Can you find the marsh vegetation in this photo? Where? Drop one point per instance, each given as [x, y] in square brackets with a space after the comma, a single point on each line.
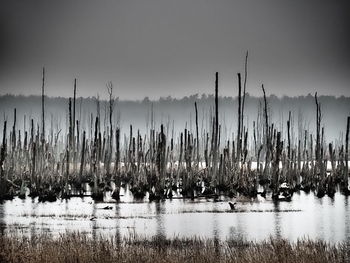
[74, 247]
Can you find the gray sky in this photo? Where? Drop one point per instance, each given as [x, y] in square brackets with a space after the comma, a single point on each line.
[166, 47]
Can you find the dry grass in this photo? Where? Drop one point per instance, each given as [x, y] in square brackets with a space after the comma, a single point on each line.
[74, 247]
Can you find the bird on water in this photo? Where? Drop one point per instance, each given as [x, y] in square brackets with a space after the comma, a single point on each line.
[232, 205]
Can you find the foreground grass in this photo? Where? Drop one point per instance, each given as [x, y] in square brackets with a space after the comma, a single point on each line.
[75, 247]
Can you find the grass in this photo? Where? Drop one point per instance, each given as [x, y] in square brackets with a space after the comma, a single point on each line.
[77, 247]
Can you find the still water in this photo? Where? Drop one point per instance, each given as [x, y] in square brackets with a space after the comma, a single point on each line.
[305, 216]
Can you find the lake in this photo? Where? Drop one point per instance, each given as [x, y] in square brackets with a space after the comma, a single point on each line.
[257, 219]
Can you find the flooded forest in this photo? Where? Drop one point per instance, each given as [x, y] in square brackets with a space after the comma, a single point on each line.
[91, 174]
[201, 160]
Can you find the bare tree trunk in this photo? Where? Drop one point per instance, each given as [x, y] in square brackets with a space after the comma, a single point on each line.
[197, 136]
[244, 89]
[33, 173]
[70, 131]
[82, 161]
[216, 128]
[319, 164]
[111, 102]
[267, 136]
[239, 132]
[73, 128]
[279, 147]
[66, 194]
[346, 173]
[318, 131]
[117, 158]
[43, 108]
[288, 128]
[180, 157]
[3, 187]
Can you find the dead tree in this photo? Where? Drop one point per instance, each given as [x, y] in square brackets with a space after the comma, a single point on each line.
[117, 152]
[73, 126]
[239, 132]
[111, 104]
[318, 132]
[244, 89]
[288, 130]
[216, 128]
[43, 108]
[279, 147]
[74, 99]
[180, 157]
[33, 172]
[82, 160]
[70, 131]
[346, 173]
[66, 178]
[197, 136]
[3, 188]
[319, 167]
[267, 137]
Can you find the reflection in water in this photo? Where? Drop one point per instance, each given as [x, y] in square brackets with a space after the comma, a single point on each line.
[320, 220]
[160, 210]
[304, 216]
[93, 220]
[2, 221]
[277, 220]
[347, 218]
[216, 232]
[33, 220]
[117, 225]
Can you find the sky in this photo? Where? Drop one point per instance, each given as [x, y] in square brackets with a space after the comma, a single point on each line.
[165, 47]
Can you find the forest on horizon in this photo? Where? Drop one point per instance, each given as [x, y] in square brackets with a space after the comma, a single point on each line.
[180, 112]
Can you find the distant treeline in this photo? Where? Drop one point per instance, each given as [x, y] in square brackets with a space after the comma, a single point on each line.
[178, 113]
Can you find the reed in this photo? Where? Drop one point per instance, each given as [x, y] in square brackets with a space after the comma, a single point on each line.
[75, 247]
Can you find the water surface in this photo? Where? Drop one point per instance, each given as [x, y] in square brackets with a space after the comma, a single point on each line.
[305, 216]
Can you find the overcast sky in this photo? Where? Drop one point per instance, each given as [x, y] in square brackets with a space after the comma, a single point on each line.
[174, 47]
